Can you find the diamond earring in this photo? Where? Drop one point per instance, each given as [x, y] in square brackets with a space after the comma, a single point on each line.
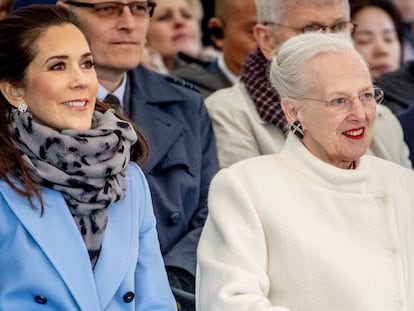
[22, 107]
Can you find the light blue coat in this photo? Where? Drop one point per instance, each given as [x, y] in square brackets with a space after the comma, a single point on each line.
[43, 259]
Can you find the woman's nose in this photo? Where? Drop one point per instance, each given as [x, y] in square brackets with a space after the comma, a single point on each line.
[78, 78]
[356, 109]
[179, 20]
[380, 46]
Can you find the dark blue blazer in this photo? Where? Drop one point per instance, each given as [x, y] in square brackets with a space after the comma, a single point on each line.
[182, 162]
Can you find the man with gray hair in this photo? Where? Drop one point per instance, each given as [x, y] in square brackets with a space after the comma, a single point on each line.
[247, 118]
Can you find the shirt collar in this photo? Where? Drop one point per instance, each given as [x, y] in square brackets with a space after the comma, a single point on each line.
[119, 92]
[222, 65]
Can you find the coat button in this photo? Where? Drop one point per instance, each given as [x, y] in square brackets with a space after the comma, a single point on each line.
[128, 297]
[40, 300]
[175, 218]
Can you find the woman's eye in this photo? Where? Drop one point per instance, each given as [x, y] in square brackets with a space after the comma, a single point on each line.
[367, 96]
[339, 101]
[58, 66]
[164, 17]
[390, 38]
[88, 64]
[362, 39]
[187, 15]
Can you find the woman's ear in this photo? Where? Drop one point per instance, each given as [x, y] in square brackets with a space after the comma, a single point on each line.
[13, 94]
[288, 107]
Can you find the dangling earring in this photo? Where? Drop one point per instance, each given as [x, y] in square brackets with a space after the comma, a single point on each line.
[297, 129]
[22, 107]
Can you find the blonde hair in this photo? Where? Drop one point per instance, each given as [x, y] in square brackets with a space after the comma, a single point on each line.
[197, 9]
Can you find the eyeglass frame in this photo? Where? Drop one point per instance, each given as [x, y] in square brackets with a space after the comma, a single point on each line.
[377, 99]
[322, 28]
[151, 5]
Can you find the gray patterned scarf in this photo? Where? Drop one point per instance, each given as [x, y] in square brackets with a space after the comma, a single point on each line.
[86, 166]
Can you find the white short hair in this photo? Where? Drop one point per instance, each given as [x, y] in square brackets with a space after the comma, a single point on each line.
[287, 66]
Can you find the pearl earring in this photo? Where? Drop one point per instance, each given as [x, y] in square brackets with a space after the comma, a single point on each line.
[22, 107]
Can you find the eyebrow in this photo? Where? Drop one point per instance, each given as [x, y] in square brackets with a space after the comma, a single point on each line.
[61, 57]
[370, 32]
[322, 23]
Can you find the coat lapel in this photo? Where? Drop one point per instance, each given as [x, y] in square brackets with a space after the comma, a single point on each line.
[118, 245]
[56, 235]
[161, 129]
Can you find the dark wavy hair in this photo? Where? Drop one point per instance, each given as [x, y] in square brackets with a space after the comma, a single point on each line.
[19, 33]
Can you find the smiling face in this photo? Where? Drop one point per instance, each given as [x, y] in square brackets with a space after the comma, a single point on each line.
[337, 137]
[60, 84]
[376, 39]
[174, 28]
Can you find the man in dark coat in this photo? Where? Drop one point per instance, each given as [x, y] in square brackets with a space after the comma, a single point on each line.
[172, 116]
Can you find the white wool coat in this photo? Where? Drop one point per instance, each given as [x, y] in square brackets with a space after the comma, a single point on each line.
[290, 232]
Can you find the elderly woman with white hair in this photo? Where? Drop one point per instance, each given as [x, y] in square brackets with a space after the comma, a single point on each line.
[319, 226]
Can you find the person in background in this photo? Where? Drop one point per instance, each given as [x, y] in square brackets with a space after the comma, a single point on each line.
[398, 88]
[378, 35]
[231, 30]
[76, 221]
[176, 28]
[320, 226]
[247, 118]
[173, 118]
[406, 119]
[406, 8]
[5, 7]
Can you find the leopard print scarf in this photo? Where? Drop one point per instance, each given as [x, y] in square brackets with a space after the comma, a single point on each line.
[86, 166]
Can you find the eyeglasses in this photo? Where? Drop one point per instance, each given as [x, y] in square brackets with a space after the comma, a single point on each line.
[345, 26]
[368, 99]
[112, 9]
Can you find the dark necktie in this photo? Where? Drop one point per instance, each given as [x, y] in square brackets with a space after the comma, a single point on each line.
[113, 100]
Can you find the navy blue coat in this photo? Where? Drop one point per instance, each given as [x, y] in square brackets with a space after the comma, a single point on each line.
[407, 123]
[182, 161]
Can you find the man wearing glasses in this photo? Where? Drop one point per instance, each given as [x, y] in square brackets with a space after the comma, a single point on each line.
[174, 119]
[247, 118]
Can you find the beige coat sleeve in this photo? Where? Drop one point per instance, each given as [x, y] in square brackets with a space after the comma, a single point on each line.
[388, 139]
[239, 131]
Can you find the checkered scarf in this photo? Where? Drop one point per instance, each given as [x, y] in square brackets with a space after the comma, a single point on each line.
[255, 76]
